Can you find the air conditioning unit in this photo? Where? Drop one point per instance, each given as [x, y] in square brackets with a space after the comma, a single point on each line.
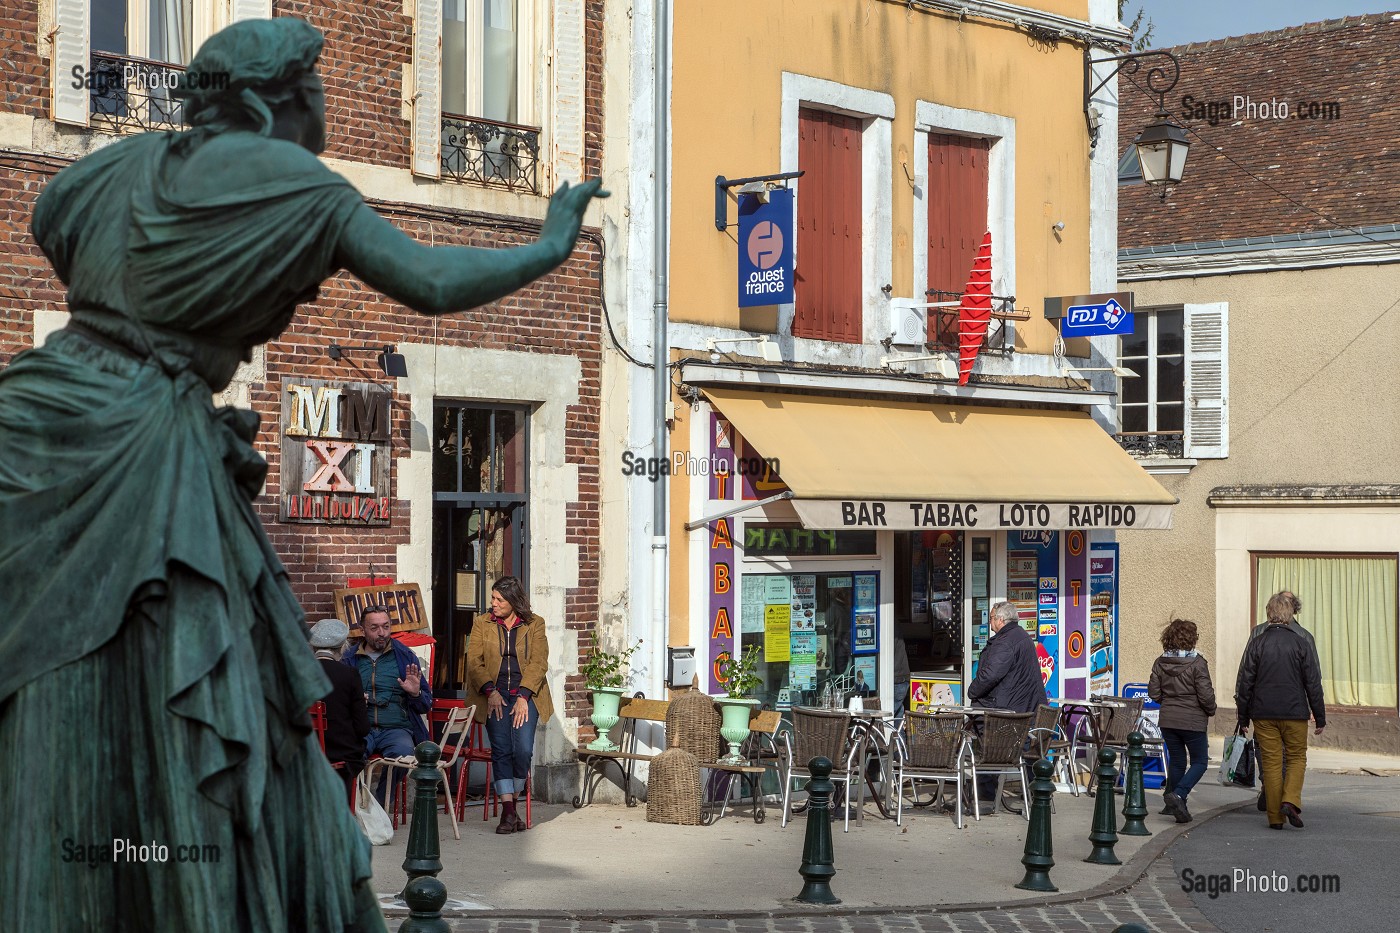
[908, 323]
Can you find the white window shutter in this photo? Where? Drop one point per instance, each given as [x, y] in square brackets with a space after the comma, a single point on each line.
[1207, 380]
[426, 130]
[568, 79]
[69, 104]
[240, 10]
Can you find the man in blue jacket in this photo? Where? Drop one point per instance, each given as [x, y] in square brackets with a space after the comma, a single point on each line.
[1008, 677]
[396, 692]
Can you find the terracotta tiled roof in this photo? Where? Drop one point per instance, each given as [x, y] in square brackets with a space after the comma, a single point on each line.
[1347, 168]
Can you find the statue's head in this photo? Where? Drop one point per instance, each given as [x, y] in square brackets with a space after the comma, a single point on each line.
[259, 75]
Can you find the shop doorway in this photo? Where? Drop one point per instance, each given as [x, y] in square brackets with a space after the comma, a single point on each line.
[480, 521]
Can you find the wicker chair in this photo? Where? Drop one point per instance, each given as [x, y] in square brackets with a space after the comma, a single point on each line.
[825, 733]
[1000, 750]
[931, 747]
[1049, 741]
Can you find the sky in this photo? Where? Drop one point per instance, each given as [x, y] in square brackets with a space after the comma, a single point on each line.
[1180, 21]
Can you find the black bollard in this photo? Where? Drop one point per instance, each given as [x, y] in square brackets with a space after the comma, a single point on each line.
[1039, 857]
[1134, 802]
[1101, 833]
[818, 858]
[424, 893]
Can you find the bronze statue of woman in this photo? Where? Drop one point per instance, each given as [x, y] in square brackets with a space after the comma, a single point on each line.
[154, 671]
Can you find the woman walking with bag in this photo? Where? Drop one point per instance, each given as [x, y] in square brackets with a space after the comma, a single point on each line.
[507, 662]
[1180, 682]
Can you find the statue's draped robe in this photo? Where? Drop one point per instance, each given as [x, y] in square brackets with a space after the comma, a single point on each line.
[154, 671]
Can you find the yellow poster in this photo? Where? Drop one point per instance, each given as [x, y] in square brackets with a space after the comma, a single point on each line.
[776, 644]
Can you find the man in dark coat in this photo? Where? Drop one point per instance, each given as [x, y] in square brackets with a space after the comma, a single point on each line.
[1278, 688]
[1008, 677]
[347, 721]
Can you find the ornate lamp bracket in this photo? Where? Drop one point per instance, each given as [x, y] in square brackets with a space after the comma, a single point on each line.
[1161, 78]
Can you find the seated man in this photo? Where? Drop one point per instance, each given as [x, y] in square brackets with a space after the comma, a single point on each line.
[347, 723]
[1008, 677]
[396, 692]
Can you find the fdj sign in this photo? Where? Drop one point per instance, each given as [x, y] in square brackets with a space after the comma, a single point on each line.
[1096, 320]
[765, 249]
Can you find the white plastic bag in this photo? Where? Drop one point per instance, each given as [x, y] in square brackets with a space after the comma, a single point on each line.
[1234, 751]
[372, 817]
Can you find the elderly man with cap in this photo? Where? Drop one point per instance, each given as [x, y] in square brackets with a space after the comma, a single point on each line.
[347, 722]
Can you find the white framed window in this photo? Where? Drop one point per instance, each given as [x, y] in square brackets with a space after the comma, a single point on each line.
[498, 89]
[1178, 401]
[118, 53]
[932, 120]
[875, 110]
[489, 60]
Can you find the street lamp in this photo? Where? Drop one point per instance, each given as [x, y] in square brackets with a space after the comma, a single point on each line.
[1161, 146]
[1161, 151]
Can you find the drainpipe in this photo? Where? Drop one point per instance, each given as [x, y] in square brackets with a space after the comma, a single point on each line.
[661, 351]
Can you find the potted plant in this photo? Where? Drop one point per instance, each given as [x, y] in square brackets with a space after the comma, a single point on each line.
[740, 678]
[603, 675]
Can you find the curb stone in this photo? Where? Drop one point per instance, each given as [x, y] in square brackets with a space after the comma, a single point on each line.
[1132, 872]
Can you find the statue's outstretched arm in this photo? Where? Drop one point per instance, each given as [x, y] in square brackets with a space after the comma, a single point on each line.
[443, 279]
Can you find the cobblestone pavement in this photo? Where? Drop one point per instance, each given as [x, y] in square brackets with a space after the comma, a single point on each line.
[1156, 902]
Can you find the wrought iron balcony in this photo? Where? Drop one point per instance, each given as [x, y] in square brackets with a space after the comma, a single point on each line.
[943, 323]
[1168, 444]
[130, 94]
[486, 152]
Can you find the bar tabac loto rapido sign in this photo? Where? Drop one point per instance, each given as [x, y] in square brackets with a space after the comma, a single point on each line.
[335, 453]
[994, 516]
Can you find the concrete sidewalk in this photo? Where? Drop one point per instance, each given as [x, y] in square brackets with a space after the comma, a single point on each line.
[608, 861]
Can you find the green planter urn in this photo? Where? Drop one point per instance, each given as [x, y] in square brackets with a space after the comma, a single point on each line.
[606, 700]
[734, 724]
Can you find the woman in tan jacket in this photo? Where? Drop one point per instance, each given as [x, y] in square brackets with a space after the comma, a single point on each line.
[507, 664]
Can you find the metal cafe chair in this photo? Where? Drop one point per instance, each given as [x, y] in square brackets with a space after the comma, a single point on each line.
[1000, 751]
[824, 733]
[931, 747]
[1118, 716]
[1049, 741]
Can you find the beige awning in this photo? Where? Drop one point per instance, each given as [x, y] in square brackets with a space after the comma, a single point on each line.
[856, 462]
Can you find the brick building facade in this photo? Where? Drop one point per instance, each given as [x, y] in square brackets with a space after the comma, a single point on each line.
[535, 355]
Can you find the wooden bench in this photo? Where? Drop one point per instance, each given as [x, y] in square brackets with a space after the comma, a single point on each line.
[763, 722]
[634, 710]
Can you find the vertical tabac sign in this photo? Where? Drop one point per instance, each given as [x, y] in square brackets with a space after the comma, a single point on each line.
[335, 453]
[722, 640]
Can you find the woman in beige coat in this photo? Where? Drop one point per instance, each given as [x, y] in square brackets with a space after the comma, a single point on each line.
[507, 667]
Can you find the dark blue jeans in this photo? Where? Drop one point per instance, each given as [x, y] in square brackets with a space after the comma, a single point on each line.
[511, 749]
[1180, 743]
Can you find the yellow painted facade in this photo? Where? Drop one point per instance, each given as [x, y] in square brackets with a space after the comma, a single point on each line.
[729, 58]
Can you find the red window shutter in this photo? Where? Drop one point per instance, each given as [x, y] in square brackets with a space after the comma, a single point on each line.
[957, 220]
[829, 219]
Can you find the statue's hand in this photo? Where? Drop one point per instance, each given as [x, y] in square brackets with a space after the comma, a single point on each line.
[565, 216]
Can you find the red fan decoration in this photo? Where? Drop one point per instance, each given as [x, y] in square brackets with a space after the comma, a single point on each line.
[976, 309]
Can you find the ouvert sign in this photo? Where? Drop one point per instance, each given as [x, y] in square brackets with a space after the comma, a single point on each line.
[335, 453]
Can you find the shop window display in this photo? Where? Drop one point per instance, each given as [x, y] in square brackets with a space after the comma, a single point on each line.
[813, 629]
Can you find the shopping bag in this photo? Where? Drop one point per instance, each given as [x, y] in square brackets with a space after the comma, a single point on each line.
[1244, 770]
[1234, 751]
[372, 817]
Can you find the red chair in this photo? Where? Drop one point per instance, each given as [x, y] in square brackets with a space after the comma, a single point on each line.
[318, 722]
